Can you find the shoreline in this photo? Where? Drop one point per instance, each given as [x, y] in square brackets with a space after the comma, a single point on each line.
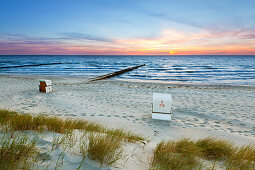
[149, 82]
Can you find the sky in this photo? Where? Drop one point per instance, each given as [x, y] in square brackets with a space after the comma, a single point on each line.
[130, 27]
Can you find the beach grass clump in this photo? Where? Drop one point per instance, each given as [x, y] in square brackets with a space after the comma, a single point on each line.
[242, 158]
[16, 152]
[186, 154]
[21, 122]
[106, 149]
[94, 127]
[124, 134]
[55, 124]
[173, 155]
[212, 148]
[5, 115]
[185, 146]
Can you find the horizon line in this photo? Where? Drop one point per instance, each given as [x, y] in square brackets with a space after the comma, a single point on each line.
[129, 54]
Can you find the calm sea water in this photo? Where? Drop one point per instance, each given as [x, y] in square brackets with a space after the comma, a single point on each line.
[232, 70]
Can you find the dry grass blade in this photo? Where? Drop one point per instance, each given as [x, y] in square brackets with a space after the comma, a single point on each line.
[16, 152]
[83, 149]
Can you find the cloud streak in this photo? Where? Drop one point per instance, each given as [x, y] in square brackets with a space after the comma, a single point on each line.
[169, 41]
[81, 36]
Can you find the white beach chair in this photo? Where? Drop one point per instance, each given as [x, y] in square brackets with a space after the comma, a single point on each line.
[161, 106]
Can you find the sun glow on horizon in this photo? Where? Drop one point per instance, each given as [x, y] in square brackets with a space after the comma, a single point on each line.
[127, 28]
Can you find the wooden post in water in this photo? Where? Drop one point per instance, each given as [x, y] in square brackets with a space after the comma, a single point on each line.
[31, 65]
[106, 76]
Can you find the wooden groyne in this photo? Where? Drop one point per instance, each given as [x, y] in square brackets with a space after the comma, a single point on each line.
[31, 65]
[106, 76]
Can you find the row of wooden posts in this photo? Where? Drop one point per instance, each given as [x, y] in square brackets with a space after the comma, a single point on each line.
[161, 106]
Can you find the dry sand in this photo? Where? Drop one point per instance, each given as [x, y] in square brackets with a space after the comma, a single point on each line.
[199, 111]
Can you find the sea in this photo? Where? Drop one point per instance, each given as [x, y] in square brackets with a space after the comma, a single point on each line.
[190, 69]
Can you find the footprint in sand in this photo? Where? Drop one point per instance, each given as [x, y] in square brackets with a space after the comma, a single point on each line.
[25, 108]
[229, 122]
[206, 122]
[232, 131]
[32, 105]
[195, 119]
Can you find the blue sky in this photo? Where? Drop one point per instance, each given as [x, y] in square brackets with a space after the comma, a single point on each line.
[127, 27]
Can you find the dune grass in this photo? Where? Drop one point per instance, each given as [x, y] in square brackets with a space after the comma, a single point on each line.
[105, 145]
[16, 152]
[174, 155]
[212, 148]
[101, 144]
[106, 149]
[185, 153]
[242, 158]
[21, 122]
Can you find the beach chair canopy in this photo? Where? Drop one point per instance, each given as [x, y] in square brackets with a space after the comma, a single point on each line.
[162, 103]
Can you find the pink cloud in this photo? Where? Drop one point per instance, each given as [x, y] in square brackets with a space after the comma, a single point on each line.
[169, 41]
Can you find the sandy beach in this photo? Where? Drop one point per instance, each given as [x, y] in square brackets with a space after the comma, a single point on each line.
[227, 112]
